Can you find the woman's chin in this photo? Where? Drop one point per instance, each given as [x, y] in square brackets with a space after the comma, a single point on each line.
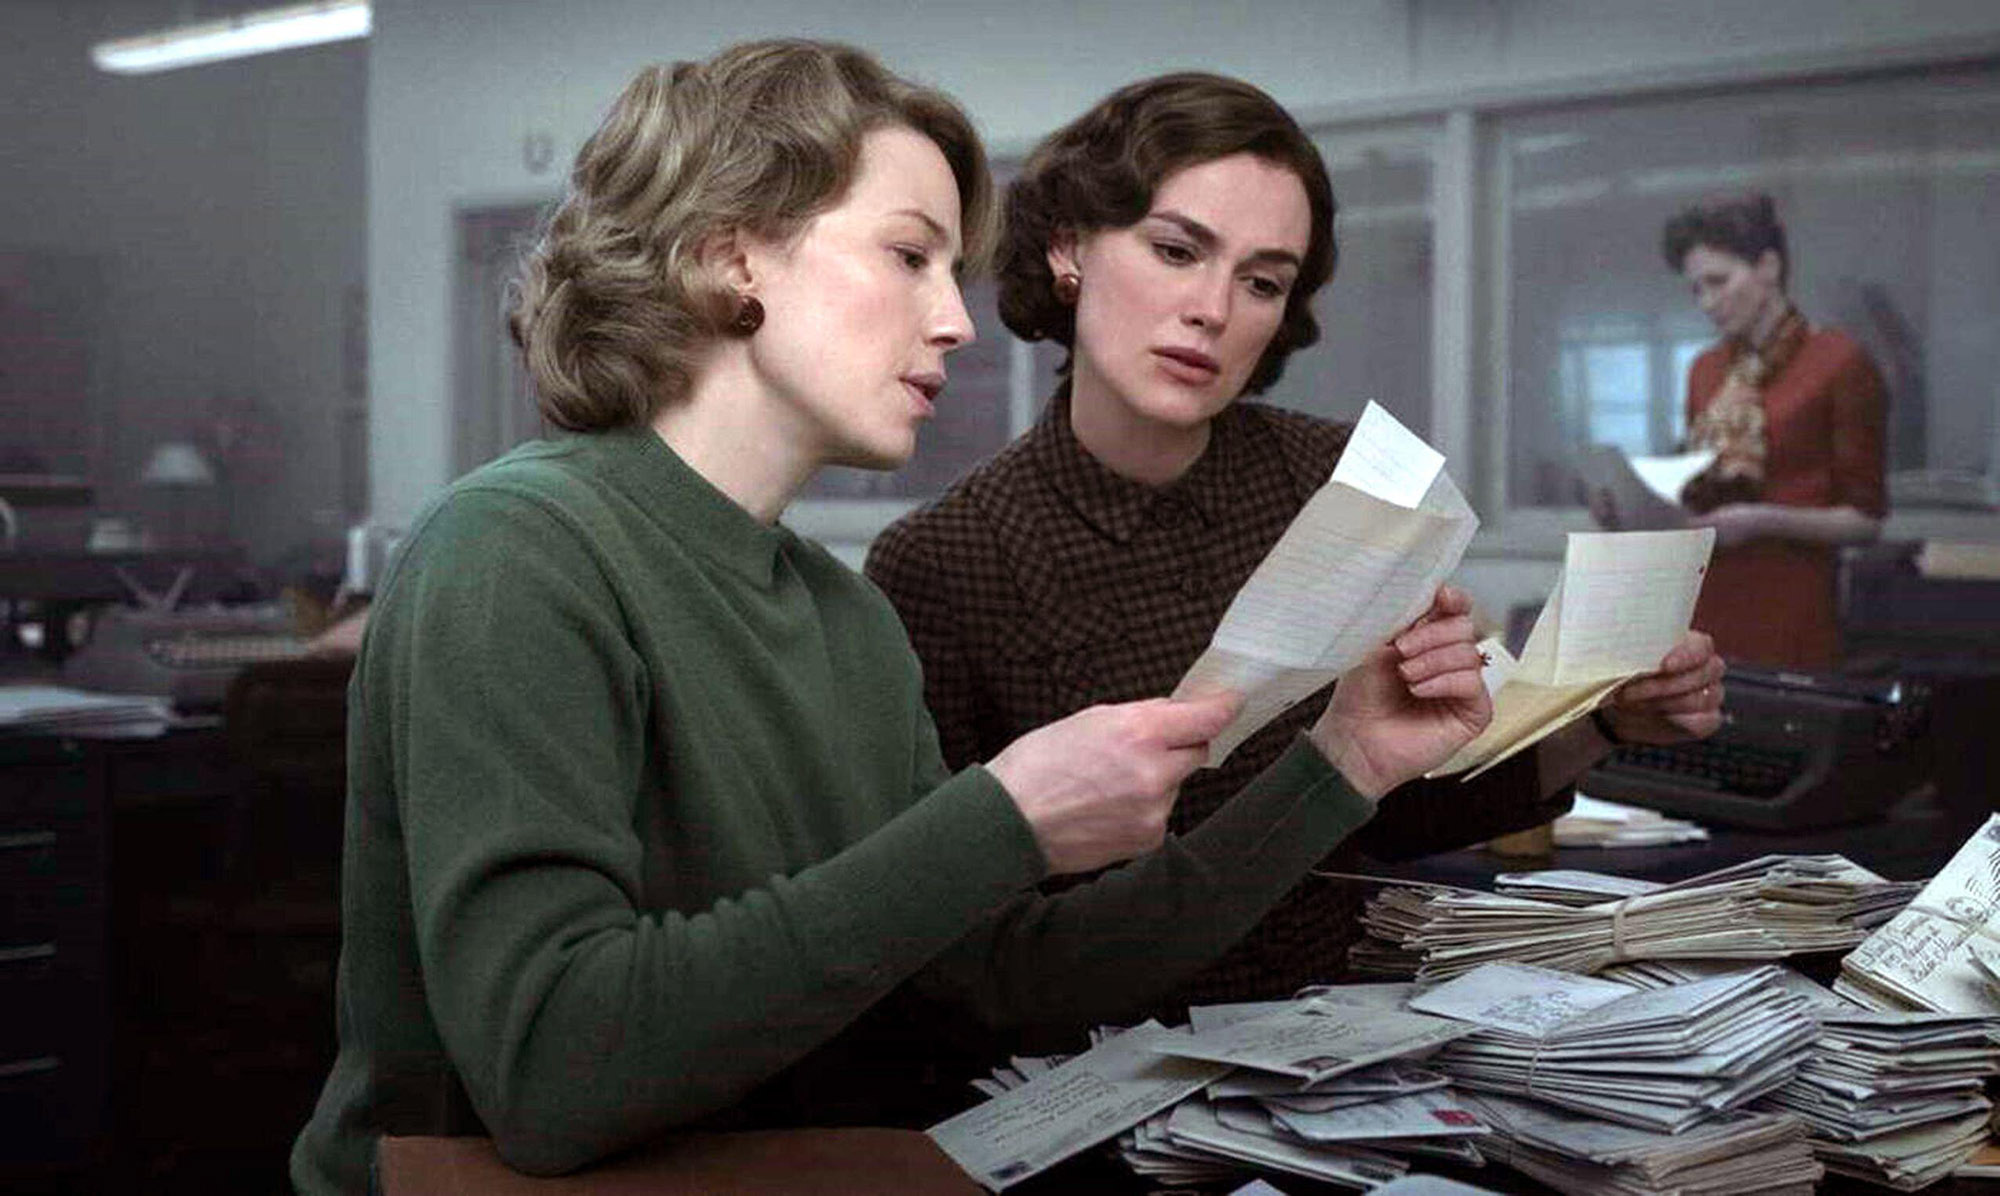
[884, 455]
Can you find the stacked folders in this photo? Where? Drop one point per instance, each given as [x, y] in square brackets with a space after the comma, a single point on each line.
[1654, 1080]
[1570, 921]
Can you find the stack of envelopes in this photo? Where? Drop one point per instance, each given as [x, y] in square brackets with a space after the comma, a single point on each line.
[1895, 1098]
[1660, 1059]
[1324, 1086]
[1580, 922]
[1731, 1154]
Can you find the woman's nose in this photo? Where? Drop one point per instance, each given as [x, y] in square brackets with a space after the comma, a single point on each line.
[1206, 304]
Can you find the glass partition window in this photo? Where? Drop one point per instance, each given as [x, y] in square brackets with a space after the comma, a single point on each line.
[1889, 189]
[1375, 316]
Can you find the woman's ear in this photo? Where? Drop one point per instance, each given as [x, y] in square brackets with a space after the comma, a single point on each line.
[726, 257]
[1770, 268]
[1063, 253]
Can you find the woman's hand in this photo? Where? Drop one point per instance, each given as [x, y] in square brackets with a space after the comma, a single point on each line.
[1096, 787]
[1682, 701]
[1604, 508]
[1734, 523]
[1409, 704]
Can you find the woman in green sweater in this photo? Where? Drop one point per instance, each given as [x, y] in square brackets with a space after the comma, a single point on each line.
[645, 812]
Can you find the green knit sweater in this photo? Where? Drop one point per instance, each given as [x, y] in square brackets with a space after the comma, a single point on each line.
[644, 806]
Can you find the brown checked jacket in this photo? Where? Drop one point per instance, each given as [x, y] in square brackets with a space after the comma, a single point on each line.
[1043, 583]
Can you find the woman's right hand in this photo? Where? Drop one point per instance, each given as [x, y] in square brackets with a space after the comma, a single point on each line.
[1096, 787]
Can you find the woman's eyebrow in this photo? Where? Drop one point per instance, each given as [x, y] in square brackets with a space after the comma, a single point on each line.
[925, 218]
[1205, 237]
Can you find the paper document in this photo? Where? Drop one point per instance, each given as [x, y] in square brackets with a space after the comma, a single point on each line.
[1359, 562]
[1621, 603]
[62, 710]
[1072, 1107]
[1644, 492]
[1924, 957]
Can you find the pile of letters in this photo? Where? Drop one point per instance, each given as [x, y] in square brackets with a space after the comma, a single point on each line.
[1767, 908]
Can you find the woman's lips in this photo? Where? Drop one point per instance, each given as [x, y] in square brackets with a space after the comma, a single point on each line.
[1188, 365]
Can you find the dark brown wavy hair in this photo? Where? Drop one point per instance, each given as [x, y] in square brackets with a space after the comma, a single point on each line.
[612, 306]
[1741, 225]
[1102, 170]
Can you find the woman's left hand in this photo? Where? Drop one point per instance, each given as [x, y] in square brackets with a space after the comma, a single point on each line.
[1679, 702]
[1409, 704]
[1734, 523]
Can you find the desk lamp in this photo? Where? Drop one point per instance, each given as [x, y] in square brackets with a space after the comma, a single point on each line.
[177, 468]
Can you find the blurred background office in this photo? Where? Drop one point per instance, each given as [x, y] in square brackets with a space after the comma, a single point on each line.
[249, 323]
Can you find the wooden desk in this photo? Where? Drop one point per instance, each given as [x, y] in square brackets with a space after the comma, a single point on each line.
[819, 1162]
[1910, 842]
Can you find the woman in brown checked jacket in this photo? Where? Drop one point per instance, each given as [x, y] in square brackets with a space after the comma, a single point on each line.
[1172, 239]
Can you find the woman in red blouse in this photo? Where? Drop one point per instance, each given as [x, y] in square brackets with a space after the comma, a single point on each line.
[1794, 413]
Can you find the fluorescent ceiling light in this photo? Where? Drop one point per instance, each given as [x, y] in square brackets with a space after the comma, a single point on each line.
[247, 33]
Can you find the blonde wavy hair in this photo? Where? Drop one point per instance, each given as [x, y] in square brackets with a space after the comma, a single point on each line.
[612, 307]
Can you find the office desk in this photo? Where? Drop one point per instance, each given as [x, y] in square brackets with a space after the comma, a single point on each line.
[862, 1162]
[812, 1162]
[1911, 841]
[59, 965]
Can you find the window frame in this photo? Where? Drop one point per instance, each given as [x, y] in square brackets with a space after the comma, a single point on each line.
[1471, 334]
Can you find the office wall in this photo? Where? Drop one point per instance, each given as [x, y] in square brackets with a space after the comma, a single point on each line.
[459, 87]
[224, 207]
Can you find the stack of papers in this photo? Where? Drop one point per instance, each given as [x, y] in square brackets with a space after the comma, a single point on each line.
[1362, 558]
[55, 709]
[1621, 603]
[1072, 1106]
[1662, 1059]
[1942, 952]
[1392, 1106]
[1895, 1098]
[1731, 1154]
[1575, 921]
[1644, 492]
[1594, 822]
[1324, 1086]
[1819, 1000]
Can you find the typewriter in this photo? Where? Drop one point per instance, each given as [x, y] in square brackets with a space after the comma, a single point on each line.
[1795, 751]
[186, 655]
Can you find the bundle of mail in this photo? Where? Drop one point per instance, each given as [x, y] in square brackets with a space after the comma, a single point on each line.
[1323, 1086]
[1661, 1059]
[1895, 1098]
[1942, 952]
[1574, 921]
[1731, 1153]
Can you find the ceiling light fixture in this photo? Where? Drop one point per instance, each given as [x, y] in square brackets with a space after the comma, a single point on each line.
[238, 36]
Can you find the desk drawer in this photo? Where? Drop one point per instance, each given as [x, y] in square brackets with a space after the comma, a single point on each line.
[46, 794]
[40, 1013]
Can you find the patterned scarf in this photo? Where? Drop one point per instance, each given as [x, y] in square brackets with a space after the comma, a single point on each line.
[1733, 422]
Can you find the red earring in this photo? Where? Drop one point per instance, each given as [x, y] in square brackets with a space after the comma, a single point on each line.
[1068, 286]
[749, 316]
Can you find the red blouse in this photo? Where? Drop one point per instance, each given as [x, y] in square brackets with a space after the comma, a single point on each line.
[1771, 602]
